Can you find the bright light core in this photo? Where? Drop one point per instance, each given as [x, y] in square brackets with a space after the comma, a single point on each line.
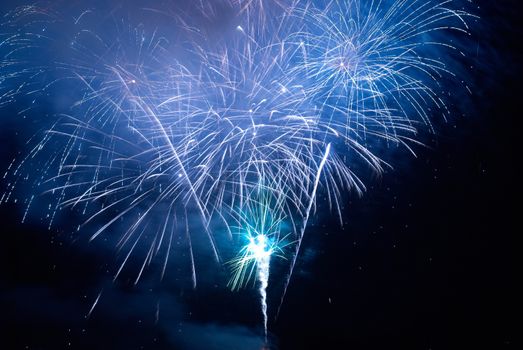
[259, 247]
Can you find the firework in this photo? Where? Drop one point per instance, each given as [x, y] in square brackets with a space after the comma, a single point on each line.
[260, 224]
[295, 99]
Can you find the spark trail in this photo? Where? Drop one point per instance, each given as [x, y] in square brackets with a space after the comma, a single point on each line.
[304, 225]
[260, 250]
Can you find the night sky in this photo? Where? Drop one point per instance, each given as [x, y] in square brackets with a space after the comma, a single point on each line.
[426, 258]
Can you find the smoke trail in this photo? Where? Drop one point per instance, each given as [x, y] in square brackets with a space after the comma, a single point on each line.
[263, 267]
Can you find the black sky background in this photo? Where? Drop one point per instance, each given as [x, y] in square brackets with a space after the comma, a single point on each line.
[427, 259]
